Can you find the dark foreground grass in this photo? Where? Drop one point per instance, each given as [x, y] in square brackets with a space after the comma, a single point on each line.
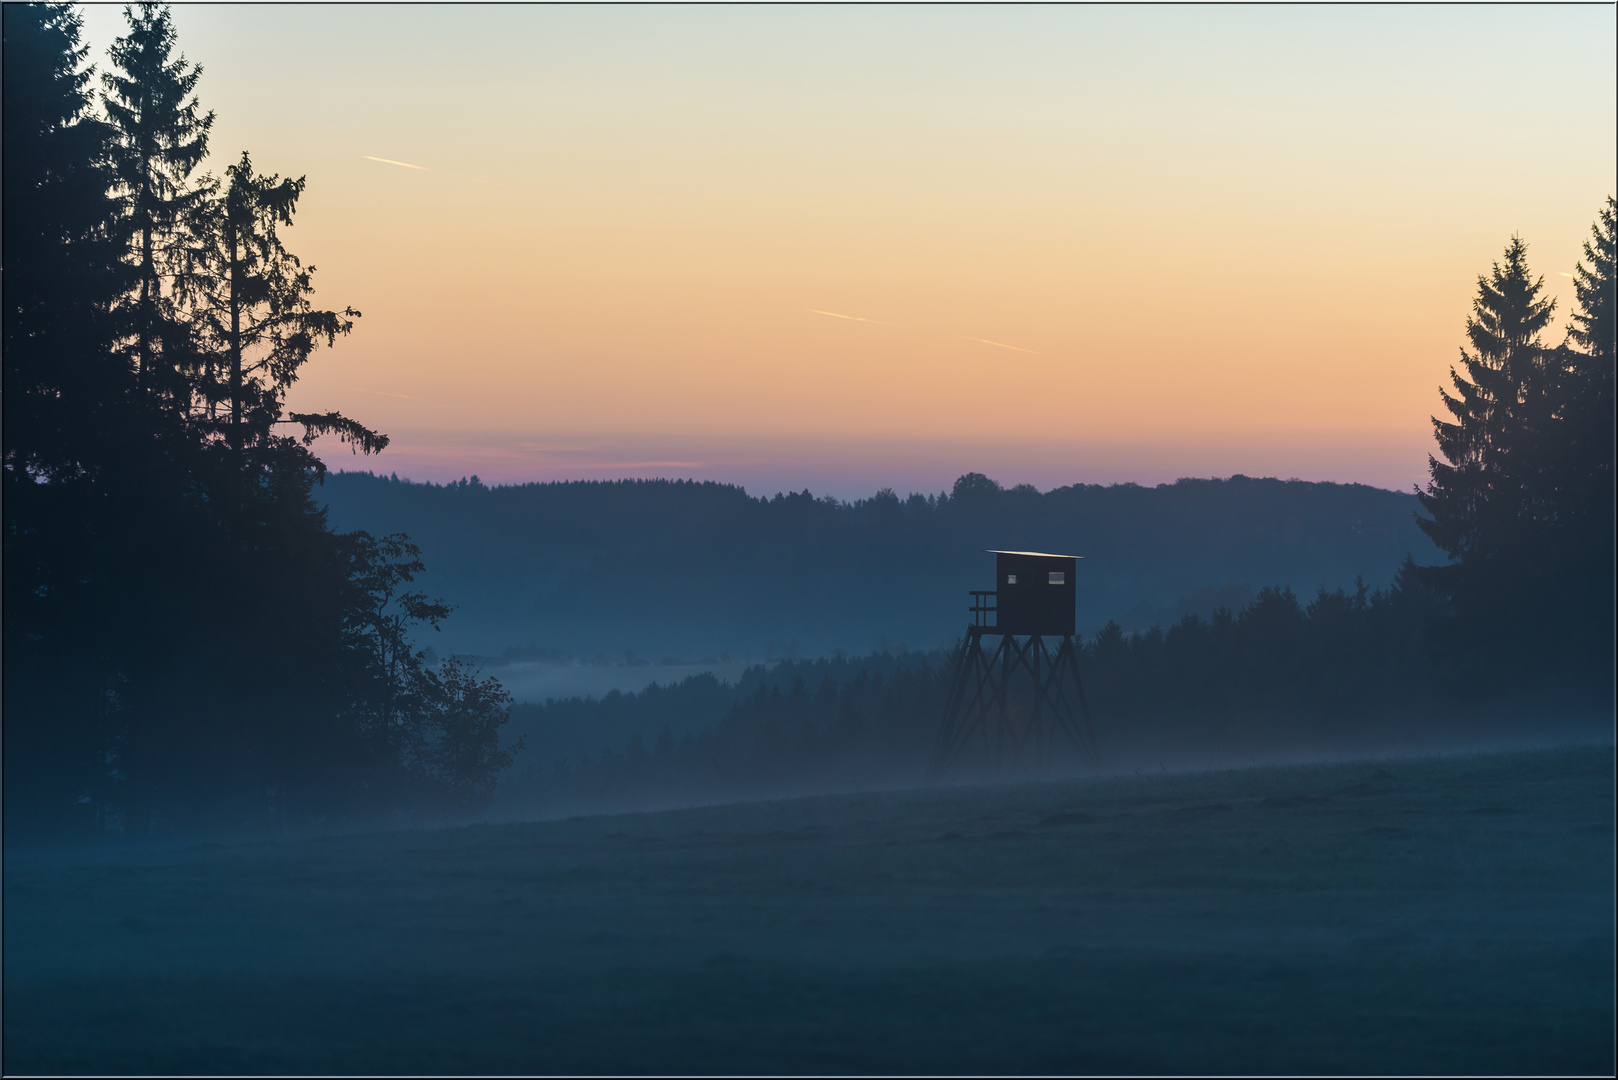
[1436, 915]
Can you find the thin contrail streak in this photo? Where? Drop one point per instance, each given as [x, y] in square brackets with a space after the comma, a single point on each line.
[384, 393]
[401, 164]
[852, 318]
[997, 344]
[440, 172]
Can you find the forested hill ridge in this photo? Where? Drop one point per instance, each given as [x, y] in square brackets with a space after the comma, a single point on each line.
[678, 568]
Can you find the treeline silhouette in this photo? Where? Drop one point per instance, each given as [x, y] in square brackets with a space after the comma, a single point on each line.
[187, 645]
[1273, 666]
[569, 729]
[1276, 671]
[1275, 675]
[672, 568]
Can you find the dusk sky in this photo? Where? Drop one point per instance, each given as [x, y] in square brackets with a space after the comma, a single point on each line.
[850, 248]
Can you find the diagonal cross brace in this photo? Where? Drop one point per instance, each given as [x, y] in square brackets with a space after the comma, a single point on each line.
[978, 706]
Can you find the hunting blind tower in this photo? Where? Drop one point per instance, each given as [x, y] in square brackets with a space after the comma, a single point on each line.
[1033, 600]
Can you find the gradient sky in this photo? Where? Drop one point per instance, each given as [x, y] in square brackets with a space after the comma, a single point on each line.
[848, 247]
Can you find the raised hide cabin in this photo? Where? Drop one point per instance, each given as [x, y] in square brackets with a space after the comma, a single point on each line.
[1035, 592]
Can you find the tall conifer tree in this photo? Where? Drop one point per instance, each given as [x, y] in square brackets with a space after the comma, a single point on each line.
[66, 401]
[1523, 501]
[1580, 458]
[1586, 551]
[61, 242]
[250, 298]
[1480, 495]
[1596, 286]
[161, 138]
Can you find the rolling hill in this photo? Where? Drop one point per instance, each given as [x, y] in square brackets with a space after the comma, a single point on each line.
[678, 569]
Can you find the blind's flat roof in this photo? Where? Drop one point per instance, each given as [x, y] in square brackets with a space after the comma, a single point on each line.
[1035, 554]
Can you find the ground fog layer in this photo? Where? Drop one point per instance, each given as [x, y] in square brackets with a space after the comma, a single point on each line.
[1423, 915]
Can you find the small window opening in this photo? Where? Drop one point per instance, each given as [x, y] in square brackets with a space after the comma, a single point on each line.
[1058, 577]
[1011, 579]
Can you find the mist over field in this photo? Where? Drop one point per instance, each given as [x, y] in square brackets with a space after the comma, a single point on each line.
[1423, 915]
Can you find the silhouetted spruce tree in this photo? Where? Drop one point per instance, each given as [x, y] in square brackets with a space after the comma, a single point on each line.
[63, 387]
[250, 299]
[1523, 500]
[161, 137]
[1596, 321]
[66, 400]
[1589, 376]
[1584, 548]
[1481, 493]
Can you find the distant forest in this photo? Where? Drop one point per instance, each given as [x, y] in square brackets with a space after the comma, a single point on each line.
[190, 646]
[668, 568]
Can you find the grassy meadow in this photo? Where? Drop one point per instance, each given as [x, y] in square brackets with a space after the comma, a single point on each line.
[1437, 914]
